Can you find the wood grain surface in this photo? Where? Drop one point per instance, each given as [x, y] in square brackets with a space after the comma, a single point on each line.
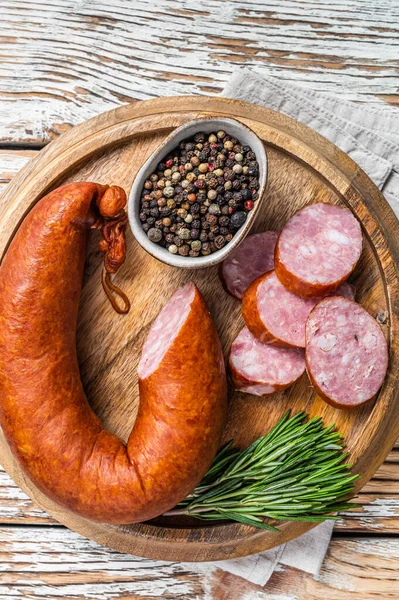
[302, 166]
[62, 62]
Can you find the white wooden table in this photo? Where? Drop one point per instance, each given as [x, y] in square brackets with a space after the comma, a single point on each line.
[63, 61]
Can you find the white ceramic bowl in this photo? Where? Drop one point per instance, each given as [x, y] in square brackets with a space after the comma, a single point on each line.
[246, 137]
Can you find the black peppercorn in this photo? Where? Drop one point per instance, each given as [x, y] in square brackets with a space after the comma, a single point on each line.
[220, 241]
[252, 171]
[145, 227]
[224, 230]
[224, 221]
[178, 241]
[212, 219]
[238, 219]
[184, 250]
[246, 194]
[142, 217]
[194, 234]
[254, 183]
[236, 185]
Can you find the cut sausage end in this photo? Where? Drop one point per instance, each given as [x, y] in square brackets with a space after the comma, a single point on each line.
[165, 329]
[346, 352]
[253, 257]
[262, 369]
[318, 249]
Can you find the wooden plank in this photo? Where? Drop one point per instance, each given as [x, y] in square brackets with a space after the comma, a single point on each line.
[53, 562]
[358, 569]
[377, 512]
[65, 61]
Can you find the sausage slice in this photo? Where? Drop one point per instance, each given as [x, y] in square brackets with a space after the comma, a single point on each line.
[262, 369]
[346, 352]
[253, 257]
[275, 315]
[317, 250]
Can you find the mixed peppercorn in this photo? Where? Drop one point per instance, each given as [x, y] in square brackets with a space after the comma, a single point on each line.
[200, 195]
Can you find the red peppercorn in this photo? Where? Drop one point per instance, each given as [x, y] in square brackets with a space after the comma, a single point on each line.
[248, 205]
[182, 168]
[169, 163]
[232, 155]
[211, 167]
[214, 146]
[231, 210]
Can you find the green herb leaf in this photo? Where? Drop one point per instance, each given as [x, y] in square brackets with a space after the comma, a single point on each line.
[296, 472]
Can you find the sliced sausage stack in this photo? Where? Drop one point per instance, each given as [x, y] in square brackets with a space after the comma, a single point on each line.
[302, 313]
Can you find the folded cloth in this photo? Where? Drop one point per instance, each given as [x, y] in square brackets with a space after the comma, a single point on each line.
[370, 136]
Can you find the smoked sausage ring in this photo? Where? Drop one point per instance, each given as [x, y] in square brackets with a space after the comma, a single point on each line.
[46, 418]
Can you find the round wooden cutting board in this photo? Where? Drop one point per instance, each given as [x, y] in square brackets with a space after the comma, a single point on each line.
[303, 167]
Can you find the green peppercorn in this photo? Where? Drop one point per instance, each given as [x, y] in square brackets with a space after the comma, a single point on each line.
[196, 245]
[171, 204]
[184, 234]
[214, 209]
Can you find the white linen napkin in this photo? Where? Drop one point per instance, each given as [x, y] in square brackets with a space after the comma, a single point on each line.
[370, 136]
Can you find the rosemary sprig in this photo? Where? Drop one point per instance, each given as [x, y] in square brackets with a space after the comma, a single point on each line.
[296, 472]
